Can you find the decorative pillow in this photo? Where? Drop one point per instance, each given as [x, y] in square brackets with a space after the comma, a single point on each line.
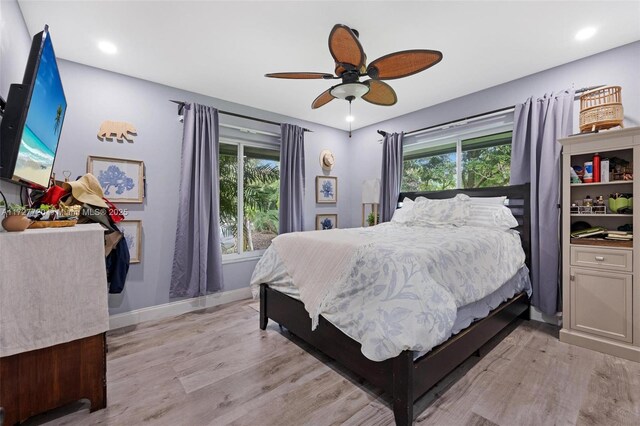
[450, 211]
[491, 215]
[404, 214]
[489, 200]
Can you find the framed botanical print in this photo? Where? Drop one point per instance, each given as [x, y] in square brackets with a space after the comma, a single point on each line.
[326, 189]
[122, 180]
[326, 221]
[132, 233]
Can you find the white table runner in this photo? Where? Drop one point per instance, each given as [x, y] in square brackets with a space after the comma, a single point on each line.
[53, 287]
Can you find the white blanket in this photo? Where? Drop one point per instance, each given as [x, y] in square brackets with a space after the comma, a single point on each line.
[317, 261]
[403, 290]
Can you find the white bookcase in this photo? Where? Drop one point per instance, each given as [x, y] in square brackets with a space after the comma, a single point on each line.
[601, 307]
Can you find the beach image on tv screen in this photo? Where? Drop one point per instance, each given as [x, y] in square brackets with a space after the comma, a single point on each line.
[41, 132]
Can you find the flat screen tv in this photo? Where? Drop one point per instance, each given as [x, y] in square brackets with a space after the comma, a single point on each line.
[33, 118]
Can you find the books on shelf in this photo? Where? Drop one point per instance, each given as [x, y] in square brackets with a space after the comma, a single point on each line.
[589, 232]
[601, 232]
[622, 233]
[619, 235]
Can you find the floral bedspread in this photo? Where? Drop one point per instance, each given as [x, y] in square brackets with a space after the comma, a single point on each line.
[404, 290]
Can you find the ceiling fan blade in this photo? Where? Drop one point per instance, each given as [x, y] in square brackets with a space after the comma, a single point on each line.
[380, 93]
[402, 64]
[345, 47]
[301, 75]
[324, 98]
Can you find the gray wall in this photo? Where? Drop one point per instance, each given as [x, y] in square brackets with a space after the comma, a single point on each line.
[96, 95]
[620, 66]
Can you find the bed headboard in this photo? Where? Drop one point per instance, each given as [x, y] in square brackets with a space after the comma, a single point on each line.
[517, 199]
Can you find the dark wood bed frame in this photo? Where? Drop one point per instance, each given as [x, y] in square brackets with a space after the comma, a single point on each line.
[401, 377]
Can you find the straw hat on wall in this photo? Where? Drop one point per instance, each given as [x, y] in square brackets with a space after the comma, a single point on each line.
[327, 160]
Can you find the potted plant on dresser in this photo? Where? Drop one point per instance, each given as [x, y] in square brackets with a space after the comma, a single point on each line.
[16, 218]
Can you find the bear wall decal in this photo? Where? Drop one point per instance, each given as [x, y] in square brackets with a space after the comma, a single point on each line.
[120, 129]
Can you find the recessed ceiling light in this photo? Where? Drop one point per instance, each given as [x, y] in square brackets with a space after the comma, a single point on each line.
[350, 118]
[107, 47]
[585, 33]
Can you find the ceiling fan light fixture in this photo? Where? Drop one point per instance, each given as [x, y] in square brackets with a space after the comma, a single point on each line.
[346, 90]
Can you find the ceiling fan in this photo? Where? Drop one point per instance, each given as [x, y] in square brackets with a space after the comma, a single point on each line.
[351, 64]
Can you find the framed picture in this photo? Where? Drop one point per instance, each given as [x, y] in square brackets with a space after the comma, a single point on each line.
[122, 180]
[326, 221]
[326, 189]
[132, 232]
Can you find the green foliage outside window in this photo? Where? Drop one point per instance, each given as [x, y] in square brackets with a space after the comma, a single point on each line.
[260, 200]
[434, 173]
[486, 167]
[485, 162]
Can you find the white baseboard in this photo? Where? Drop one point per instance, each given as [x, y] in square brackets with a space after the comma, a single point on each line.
[179, 307]
[536, 315]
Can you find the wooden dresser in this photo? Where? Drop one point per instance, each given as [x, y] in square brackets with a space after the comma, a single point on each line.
[601, 308]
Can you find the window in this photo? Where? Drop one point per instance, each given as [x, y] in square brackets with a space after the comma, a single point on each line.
[249, 195]
[431, 168]
[486, 161]
[458, 162]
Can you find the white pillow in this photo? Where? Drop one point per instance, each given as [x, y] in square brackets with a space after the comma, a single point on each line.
[491, 215]
[450, 211]
[489, 200]
[404, 214]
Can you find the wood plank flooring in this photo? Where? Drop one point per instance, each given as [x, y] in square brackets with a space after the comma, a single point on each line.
[216, 367]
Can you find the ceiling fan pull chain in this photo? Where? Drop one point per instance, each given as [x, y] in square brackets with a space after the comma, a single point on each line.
[351, 118]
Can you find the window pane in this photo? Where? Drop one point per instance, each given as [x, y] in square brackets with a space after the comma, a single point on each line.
[429, 173]
[486, 161]
[228, 164]
[261, 196]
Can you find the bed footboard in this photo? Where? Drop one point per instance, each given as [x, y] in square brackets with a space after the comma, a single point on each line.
[402, 378]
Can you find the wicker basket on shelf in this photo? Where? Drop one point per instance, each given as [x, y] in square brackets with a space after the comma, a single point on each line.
[601, 109]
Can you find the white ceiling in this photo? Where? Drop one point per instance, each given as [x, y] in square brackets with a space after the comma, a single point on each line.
[223, 49]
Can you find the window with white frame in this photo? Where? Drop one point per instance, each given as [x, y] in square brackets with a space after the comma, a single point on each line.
[249, 196]
[471, 158]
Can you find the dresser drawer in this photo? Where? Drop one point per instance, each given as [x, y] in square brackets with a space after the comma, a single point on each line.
[602, 258]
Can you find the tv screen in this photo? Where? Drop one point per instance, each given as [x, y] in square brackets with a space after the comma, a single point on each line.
[39, 109]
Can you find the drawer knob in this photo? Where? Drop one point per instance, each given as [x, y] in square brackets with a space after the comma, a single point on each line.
[600, 258]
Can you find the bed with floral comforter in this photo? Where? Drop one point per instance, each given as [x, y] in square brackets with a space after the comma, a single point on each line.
[403, 286]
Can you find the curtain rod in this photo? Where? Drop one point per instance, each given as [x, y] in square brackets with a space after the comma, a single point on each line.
[251, 131]
[181, 105]
[471, 117]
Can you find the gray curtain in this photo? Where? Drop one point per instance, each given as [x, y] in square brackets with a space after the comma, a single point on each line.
[197, 260]
[391, 174]
[291, 178]
[535, 158]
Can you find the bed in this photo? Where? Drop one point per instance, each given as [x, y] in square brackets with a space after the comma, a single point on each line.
[406, 374]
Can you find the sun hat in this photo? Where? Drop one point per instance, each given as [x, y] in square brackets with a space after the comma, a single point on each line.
[327, 160]
[87, 189]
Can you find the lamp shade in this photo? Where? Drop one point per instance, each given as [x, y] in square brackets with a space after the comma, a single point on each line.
[345, 90]
[371, 191]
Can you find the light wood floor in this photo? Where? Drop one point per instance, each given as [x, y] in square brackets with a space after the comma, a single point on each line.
[218, 368]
